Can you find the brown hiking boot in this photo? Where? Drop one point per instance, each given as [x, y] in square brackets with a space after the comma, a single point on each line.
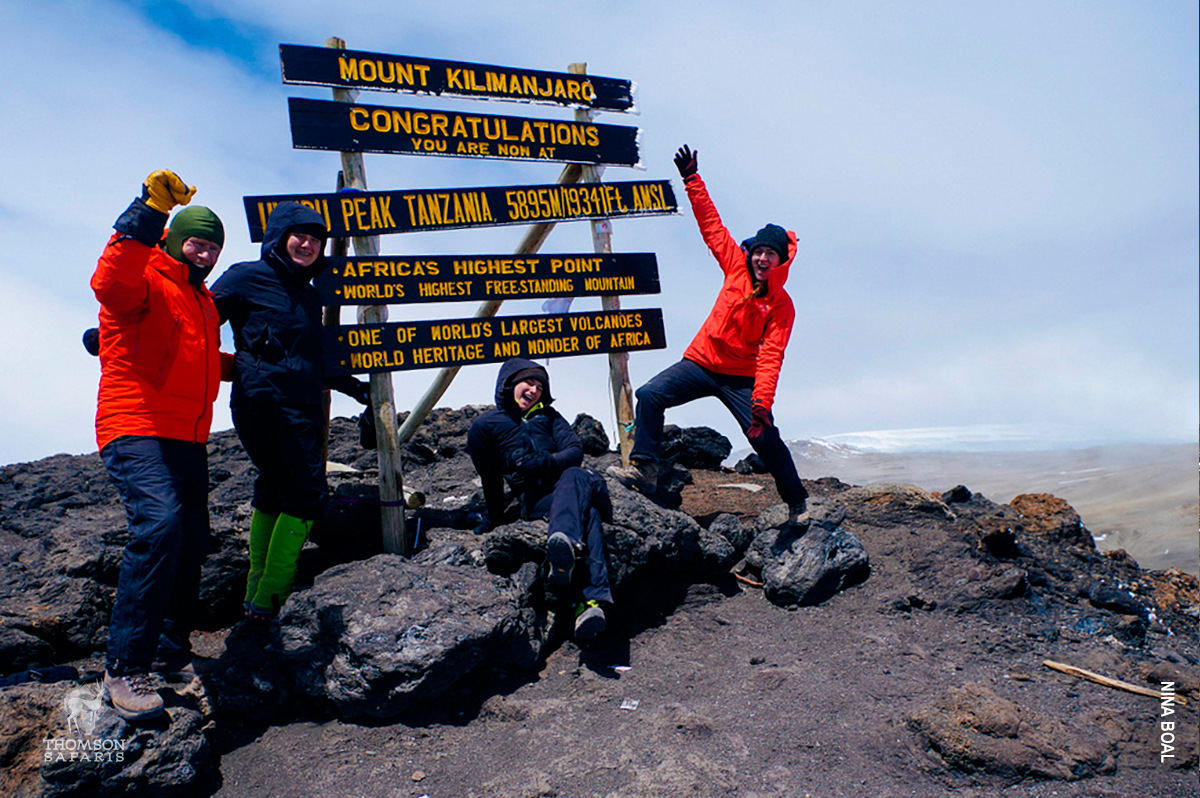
[133, 696]
[640, 475]
[798, 517]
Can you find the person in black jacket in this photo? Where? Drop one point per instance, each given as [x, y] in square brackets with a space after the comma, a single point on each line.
[278, 394]
[530, 445]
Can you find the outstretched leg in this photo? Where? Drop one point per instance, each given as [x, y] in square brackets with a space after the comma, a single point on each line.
[735, 393]
[579, 506]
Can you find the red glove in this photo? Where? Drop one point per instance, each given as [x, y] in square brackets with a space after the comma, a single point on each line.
[760, 419]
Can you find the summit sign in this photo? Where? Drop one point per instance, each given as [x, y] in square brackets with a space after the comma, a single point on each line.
[354, 69]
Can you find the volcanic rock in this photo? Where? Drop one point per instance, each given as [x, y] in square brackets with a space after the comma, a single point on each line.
[374, 636]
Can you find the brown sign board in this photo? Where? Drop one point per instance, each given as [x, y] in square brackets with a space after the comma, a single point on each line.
[420, 279]
[354, 127]
[355, 69]
[368, 213]
[404, 346]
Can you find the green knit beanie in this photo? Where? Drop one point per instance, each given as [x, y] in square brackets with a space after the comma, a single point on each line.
[195, 221]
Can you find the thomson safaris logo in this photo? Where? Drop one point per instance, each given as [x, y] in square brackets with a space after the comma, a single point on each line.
[83, 708]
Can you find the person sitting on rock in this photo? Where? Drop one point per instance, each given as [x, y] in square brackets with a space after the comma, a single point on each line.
[528, 443]
[737, 354]
[160, 368]
[278, 395]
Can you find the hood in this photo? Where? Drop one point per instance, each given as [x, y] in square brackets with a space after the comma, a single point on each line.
[286, 216]
[505, 382]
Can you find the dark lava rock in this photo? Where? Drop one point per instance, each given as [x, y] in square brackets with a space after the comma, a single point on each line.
[695, 447]
[591, 433]
[956, 495]
[732, 529]
[750, 464]
[1117, 600]
[375, 636]
[806, 569]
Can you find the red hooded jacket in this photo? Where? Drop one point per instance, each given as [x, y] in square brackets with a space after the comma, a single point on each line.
[160, 363]
[744, 335]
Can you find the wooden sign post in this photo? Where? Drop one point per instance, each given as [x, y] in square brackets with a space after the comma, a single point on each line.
[372, 281]
[383, 403]
[618, 362]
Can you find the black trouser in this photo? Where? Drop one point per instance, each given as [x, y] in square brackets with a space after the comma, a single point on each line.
[164, 486]
[687, 381]
[576, 507]
[284, 443]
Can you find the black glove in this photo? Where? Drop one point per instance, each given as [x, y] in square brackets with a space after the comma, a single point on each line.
[685, 162]
[358, 390]
[534, 464]
[481, 522]
[91, 341]
[367, 437]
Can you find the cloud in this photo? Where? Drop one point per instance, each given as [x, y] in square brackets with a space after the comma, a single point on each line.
[982, 194]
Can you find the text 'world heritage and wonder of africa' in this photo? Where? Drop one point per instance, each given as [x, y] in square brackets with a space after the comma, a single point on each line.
[460, 342]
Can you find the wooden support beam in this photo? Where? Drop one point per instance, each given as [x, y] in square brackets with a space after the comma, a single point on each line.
[618, 362]
[391, 480]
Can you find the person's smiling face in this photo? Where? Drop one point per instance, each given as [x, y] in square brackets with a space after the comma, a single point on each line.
[302, 248]
[526, 394]
[762, 260]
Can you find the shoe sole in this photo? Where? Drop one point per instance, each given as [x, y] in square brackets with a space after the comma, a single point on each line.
[644, 488]
[560, 555]
[590, 625]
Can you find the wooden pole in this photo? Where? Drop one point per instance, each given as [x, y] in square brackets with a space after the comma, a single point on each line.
[332, 317]
[618, 362]
[391, 481]
[534, 237]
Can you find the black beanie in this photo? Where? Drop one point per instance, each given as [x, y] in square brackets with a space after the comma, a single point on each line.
[772, 236]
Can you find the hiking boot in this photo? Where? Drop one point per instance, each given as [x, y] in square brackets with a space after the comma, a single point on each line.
[589, 620]
[640, 475]
[560, 560]
[133, 696]
[256, 615]
[798, 517]
[181, 667]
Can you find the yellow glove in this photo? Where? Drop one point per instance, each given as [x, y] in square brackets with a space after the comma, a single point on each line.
[163, 190]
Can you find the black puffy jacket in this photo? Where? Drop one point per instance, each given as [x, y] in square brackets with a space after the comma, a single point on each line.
[529, 452]
[276, 317]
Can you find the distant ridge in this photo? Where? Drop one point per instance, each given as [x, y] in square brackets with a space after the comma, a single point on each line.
[1139, 497]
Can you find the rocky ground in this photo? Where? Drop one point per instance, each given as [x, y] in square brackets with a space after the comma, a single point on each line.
[740, 659]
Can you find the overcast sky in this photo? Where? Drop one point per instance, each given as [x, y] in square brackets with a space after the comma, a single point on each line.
[996, 202]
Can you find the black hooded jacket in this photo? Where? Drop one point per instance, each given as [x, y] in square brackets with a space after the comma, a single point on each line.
[530, 452]
[276, 317]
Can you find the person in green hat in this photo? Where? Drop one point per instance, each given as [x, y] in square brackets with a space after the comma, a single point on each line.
[160, 368]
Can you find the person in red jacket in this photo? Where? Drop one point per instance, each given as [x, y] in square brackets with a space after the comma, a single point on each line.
[737, 354]
[160, 368]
